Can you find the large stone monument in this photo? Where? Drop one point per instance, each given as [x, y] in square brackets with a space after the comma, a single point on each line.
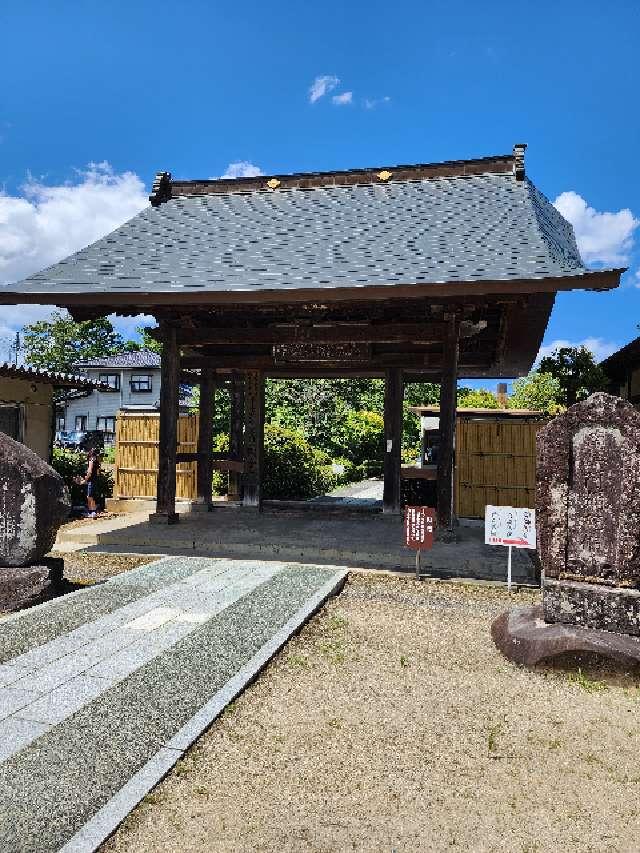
[33, 504]
[588, 518]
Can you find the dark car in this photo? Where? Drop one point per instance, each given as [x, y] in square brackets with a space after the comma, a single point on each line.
[80, 439]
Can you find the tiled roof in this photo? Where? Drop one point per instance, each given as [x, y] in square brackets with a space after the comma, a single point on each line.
[48, 377]
[452, 228]
[142, 358]
[622, 358]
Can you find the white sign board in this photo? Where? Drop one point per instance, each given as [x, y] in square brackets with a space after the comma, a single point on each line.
[511, 526]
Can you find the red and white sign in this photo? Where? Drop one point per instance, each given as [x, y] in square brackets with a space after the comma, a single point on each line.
[511, 526]
[419, 524]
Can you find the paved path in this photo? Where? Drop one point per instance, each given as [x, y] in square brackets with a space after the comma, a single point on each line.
[102, 691]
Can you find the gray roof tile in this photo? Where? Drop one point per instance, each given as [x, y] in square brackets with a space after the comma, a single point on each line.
[141, 358]
[483, 227]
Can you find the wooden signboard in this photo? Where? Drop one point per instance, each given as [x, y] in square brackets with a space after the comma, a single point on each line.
[419, 524]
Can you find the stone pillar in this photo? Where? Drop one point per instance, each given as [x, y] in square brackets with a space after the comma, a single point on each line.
[236, 433]
[205, 437]
[393, 394]
[448, 394]
[168, 440]
[253, 437]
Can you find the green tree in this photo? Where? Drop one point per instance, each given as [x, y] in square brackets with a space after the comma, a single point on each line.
[146, 342]
[477, 398]
[576, 371]
[58, 343]
[539, 391]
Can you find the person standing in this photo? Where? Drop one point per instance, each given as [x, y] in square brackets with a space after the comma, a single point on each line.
[90, 480]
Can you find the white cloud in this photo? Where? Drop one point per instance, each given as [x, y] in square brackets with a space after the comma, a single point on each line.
[344, 98]
[600, 348]
[321, 86]
[127, 325]
[372, 103]
[605, 238]
[47, 223]
[637, 279]
[242, 169]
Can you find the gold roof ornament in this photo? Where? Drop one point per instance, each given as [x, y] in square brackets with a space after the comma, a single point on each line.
[273, 183]
[384, 175]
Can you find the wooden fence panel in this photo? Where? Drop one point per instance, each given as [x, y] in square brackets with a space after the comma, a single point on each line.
[137, 455]
[495, 464]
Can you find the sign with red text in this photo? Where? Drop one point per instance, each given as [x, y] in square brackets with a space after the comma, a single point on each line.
[419, 524]
[510, 526]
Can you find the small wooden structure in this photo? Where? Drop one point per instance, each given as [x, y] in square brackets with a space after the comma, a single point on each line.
[27, 408]
[494, 457]
[431, 271]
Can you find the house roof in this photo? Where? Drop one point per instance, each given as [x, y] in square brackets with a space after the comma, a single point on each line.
[477, 222]
[48, 377]
[141, 358]
[618, 361]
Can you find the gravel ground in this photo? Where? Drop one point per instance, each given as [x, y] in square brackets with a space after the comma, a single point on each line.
[87, 567]
[391, 723]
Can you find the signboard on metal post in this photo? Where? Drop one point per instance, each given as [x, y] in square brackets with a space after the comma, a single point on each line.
[513, 527]
[419, 524]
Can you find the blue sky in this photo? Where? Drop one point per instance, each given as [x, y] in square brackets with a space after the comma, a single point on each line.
[193, 87]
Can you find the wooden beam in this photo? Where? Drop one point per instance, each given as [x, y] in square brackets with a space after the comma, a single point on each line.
[206, 410]
[240, 361]
[325, 333]
[393, 394]
[253, 437]
[448, 393]
[236, 432]
[168, 438]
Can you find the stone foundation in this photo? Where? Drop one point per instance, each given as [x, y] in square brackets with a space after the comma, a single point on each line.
[524, 637]
[593, 606]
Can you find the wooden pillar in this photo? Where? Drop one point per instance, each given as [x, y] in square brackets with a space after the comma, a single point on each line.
[168, 440]
[448, 395]
[205, 436]
[393, 394]
[253, 436]
[236, 433]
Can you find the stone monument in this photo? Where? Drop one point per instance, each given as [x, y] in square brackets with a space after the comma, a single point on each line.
[588, 518]
[33, 504]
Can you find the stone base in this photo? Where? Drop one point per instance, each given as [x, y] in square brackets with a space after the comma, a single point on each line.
[19, 586]
[164, 518]
[524, 637]
[589, 605]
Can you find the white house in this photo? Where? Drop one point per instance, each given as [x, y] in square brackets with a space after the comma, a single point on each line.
[134, 382]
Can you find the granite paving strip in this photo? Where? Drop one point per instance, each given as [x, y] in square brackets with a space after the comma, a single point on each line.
[54, 690]
[28, 629]
[51, 788]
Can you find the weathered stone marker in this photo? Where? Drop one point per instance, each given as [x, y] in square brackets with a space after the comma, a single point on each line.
[33, 504]
[588, 518]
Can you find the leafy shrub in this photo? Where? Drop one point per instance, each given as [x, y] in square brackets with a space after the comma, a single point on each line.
[360, 438]
[70, 464]
[291, 468]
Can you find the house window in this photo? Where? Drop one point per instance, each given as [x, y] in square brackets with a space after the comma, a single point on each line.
[81, 423]
[112, 380]
[140, 383]
[11, 421]
[107, 426]
[60, 423]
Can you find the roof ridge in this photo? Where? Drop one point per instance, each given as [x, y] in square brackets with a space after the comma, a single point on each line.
[164, 184]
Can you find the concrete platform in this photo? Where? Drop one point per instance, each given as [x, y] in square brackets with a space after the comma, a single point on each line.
[102, 690]
[364, 540]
